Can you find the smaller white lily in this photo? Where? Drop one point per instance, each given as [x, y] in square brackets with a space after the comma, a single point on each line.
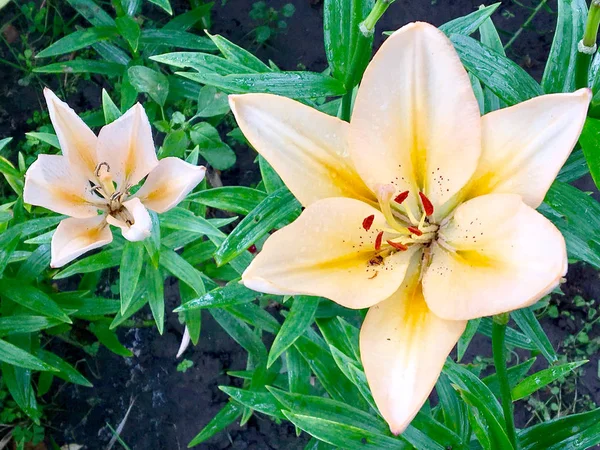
[92, 180]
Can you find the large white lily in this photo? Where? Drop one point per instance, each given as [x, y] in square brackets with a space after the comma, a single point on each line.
[92, 180]
[419, 209]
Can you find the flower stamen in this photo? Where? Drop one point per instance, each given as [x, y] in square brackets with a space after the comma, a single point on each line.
[427, 205]
[368, 222]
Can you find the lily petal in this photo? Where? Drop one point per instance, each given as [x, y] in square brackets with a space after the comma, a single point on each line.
[507, 256]
[169, 183]
[525, 146]
[74, 237]
[403, 347]
[327, 252]
[126, 145]
[307, 148]
[51, 183]
[77, 141]
[141, 227]
[416, 122]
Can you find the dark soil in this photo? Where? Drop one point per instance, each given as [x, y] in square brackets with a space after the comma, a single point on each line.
[171, 407]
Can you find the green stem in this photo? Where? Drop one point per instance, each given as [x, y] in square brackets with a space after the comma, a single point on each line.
[525, 24]
[346, 110]
[368, 25]
[587, 46]
[499, 350]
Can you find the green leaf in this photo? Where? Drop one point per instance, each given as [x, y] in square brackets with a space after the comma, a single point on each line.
[232, 294]
[542, 378]
[175, 144]
[109, 339]
[13, 355]
[298, 372]
[301, 316]
[577, 216]
[238, 55]
[469, 24]
[163, 4]
[315, 352]
[92, 12]
[18, 382]
[216, 152]
[130, 30]
[341, 21]
[270, 178]
[559, 74]
[111, 111]
[280, 206]
[490, 38]
[506, 79]
[31, 298]
[454, 410]
[156, 297]
[255, 316]
[48, 138]
[78, 40]
[325, 408]
[212, 102]
[183, 219]
[106, 259]
[176, 38]
[236, 199]
[575, 167]
[35, 265]
[288, 84]
[230, 412]
[241, 333]
[528, 323]
[590, 143]
[150, 82]
[182, 270]
[494, 422]
[25, 324]
[262, 402]
[108, 68]
[8, 243]
[515, 375]
[466, 337]
[513, 337]
[575, 431]
[65, 370]
[130, 270]
[152, 242]
[344, 436]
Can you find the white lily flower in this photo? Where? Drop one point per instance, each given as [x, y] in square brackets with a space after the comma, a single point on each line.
[419, 209]
[92, 180]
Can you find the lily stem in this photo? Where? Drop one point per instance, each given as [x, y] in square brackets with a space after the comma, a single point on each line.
[346, 110]
[499, 350]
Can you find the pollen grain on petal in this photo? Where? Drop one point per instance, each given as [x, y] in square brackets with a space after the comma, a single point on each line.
[427, 205]
[368, 222]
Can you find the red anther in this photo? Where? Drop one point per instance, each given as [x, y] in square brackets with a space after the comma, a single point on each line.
[368, 221]
[401, 197]
[398, 246]
[378, 240]
[252, 249]
[427, 205]
[415, 230]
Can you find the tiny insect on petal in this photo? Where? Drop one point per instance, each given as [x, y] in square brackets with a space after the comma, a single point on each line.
[368, 222]
[427, 205]
[378, 240]
[252, 249]
[415, 230]
[401, 197]
[398, 246]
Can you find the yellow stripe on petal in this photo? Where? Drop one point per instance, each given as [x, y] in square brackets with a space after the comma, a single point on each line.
[496, 255]
[307, 148]
[525, 146]
[403, 347]
[327, 252]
